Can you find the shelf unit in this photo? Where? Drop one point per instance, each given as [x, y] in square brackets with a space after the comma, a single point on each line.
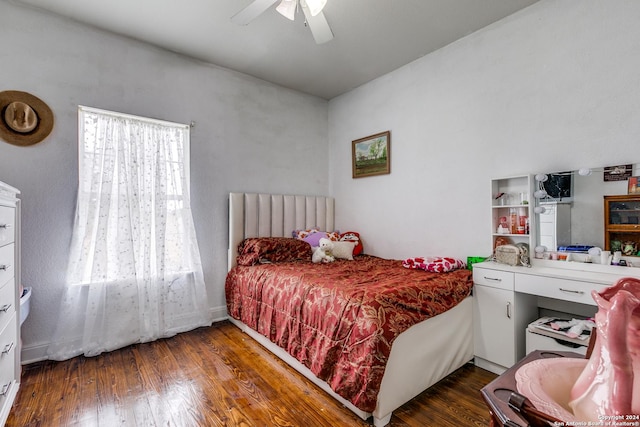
[517, 194]
[622, 223]
[501, 315]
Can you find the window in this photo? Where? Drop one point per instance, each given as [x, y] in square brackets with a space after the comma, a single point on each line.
[134, 175]
[134, 266]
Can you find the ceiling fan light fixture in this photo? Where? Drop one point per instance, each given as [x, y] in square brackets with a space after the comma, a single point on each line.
[287, 8]
[315, 6]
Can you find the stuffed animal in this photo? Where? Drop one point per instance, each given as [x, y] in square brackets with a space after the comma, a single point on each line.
[323, 252]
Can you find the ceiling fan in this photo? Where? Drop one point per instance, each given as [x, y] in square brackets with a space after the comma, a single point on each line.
[312, 10]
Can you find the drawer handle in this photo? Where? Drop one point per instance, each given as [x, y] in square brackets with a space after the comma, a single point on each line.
[572, 291]
[5, 307]
[5, 226]
[509, 310]
[5, 389]
[5, 267]
[493, 278]
[7, 348]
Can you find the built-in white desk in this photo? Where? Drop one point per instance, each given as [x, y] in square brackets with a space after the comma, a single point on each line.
[507, 299]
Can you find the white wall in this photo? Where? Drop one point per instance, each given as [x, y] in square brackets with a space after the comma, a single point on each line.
[553, 87]
[249, 136]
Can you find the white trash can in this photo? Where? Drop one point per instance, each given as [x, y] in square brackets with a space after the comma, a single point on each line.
[25, 304]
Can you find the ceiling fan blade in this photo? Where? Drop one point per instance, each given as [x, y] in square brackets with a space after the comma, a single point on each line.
[287, 8]
[252, 11]
[318, 25]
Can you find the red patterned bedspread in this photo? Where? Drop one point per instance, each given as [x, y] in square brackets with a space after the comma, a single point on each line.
[340, 319]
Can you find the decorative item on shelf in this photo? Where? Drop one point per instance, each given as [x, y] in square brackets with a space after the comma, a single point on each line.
[594, 253]
[503, 227]
[501, 199]
[525, 258]
[617, 256]
[628, 248]
[501, 240]
[539, 251]
[513, 255]
[513, 221]
[633, 187]
[616, 245]
[522, 221]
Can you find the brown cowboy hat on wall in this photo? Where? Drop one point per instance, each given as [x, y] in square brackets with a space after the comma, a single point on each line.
[24, 119]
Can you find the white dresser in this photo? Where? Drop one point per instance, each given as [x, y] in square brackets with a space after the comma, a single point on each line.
[9, 298]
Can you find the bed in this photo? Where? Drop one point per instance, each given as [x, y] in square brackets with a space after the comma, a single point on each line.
[417, 349]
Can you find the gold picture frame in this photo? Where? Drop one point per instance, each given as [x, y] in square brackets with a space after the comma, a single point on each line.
[371, 155]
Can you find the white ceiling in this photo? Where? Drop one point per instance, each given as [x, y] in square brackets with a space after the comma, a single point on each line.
[372, 37]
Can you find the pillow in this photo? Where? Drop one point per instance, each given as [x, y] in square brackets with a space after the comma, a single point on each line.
[434, 264]
[313, 236]
[343, 250]
[272, 249]
[301, 234]
[352, 236]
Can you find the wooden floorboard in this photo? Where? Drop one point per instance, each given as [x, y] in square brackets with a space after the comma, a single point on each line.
[216, 376]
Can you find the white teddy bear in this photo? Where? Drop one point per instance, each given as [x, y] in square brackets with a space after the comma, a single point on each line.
[323, 252]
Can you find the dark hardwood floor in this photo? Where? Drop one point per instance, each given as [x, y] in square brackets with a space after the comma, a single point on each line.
[214, 376]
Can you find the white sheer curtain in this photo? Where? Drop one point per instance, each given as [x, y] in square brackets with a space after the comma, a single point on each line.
[134, 272]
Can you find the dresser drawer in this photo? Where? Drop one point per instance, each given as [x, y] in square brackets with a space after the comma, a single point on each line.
[7, 302]
[7, 224]
[7, 261]
[494, 278]
[562, 289]
[8, 348]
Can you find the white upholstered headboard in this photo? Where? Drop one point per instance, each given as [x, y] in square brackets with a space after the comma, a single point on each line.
[274, 215]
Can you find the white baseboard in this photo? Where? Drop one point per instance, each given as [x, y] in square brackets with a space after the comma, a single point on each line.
[38, 352]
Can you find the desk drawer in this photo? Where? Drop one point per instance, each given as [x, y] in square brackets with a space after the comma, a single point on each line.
[7, 224]
[493, 278]
[562, 289]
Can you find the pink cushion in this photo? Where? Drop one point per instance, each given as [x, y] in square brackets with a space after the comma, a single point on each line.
[313, 236]
[434, 264]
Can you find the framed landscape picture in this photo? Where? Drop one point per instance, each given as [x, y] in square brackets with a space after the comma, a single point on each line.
[371, 155]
